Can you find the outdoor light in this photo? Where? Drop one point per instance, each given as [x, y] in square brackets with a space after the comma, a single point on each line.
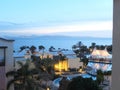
[48, 88]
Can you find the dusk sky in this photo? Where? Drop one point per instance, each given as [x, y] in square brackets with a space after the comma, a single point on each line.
[56, 17]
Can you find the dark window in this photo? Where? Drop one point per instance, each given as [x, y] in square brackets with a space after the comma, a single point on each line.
[2, 56]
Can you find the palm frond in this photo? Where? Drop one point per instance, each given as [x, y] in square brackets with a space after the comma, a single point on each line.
[11, 73]
[12, 82]
[20, 63]
[24, 76]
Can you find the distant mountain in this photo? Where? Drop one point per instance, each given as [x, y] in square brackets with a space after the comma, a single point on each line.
[51, 37]
[11, 30]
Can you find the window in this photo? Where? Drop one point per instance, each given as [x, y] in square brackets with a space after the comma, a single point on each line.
[2, 55]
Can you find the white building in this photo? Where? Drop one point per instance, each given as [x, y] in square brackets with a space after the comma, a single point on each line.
[6, 61]
[74, 62]
[97, 54]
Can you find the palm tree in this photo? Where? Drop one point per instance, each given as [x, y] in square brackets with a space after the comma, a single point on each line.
[51, 49]
[23, 47]
[45, 67]
[100, 77]
[48, 64]
[41, 47]
[23, 77]
[74, 47]
[80, 44]
[109, 49]
[80, 49]
[85, 61]
[62, 57]
[32, 48]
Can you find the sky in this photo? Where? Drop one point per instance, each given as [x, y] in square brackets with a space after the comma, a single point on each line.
[56, 17]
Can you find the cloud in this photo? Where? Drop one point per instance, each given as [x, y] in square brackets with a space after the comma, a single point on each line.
[71, 27]
[105, 33]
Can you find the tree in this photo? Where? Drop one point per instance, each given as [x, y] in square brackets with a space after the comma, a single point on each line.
[93, 45]
[32, 48]
[100, 76]
[62, 57]
[63, 83]
[41, 47]
[74, 47]
[45, 67]
[80, 44]
[109, 49]
[23, 47]
[102, 47]
[51, 49]
[23, 77]
[80, 49]
[48, 64]
[80, 83]
[85, 61]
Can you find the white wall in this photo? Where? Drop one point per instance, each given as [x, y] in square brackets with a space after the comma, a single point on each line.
[116, 46]
[74, 63]
[9, 58]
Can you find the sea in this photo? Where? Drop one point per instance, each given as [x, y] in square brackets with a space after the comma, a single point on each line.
[62, 42]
